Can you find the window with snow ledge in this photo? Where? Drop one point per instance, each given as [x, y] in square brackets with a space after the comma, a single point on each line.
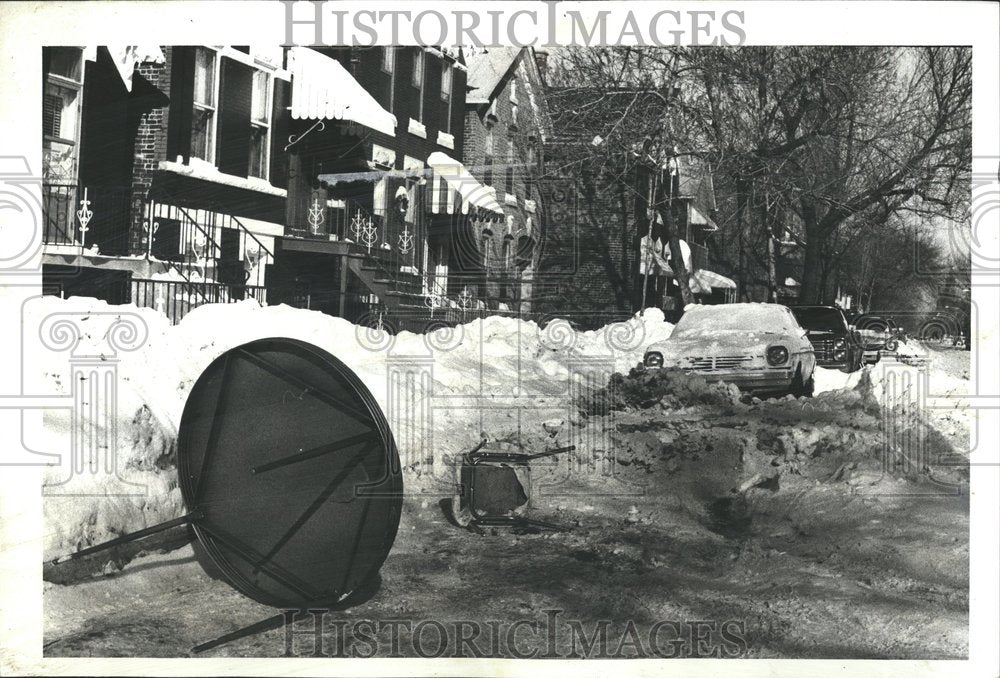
[529, 206]
[446, 140]
[510, 199]
[417, 128]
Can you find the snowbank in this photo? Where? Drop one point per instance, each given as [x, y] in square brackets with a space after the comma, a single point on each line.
[911, 348]
[478, 369]
[832, 380]
[482, 360]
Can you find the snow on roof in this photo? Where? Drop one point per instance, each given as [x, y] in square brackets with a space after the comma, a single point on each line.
[486, 69]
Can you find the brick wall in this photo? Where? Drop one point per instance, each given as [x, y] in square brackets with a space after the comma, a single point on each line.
[150, 148]
[366, 66]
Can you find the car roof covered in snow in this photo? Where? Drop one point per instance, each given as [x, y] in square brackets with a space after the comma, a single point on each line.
[749, 317]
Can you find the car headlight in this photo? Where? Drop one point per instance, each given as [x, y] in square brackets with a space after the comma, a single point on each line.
[654, 359]
[777, 355]
[839, 349]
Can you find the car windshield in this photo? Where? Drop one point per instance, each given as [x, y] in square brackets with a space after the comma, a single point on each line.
[733, 318]
[874, 323]
[818, 318]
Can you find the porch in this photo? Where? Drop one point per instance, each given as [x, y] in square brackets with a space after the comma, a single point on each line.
[190, 256]
[152, 254]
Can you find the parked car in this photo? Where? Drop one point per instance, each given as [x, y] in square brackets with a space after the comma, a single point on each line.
[760, 348]
[883, 325]
[878, 334]
[836, 344]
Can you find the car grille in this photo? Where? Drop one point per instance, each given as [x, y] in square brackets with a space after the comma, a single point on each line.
[727, 362]
[823, 348]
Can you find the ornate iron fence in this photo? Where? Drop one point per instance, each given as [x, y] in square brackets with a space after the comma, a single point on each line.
[175, 298]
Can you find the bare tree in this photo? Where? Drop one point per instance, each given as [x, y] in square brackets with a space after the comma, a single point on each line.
[814, 148]
[843, 137]
[618, 101]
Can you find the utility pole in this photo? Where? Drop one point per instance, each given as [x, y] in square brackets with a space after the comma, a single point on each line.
[772, 247]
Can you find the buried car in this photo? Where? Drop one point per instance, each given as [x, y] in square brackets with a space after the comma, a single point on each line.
[760, 348]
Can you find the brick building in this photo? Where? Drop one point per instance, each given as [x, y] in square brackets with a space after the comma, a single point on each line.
[327, 178]
[506, 127]
[171, 195]
[378, 172]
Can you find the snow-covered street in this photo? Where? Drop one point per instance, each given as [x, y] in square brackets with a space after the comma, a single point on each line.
[833, 526]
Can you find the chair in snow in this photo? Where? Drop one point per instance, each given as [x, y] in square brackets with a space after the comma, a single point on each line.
[494, 486]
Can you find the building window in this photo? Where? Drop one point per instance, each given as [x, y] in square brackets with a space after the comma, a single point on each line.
[203, 119]
[61, 113]
[260, 132]
[488, 158]
[389, 66]
[509, 182]
[513, 102]
[447, 74]
[446, 77]
[418, 81]
[487, 250]
[418, 68]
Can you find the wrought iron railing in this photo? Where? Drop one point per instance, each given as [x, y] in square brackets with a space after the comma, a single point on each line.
[254, 253]
[374, 232]
[59, 207]
[175, 298]
[215, 244]
[366, 309]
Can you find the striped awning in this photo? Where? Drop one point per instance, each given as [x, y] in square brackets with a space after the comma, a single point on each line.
[698, 218]
[322, 89]
[467, 186]
[712, 279]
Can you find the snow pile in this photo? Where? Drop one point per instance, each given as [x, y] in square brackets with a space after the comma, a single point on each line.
[84, 503]
[672, 389]
[475, 367]
[911, 349]
[832, 380]
[484, 359]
